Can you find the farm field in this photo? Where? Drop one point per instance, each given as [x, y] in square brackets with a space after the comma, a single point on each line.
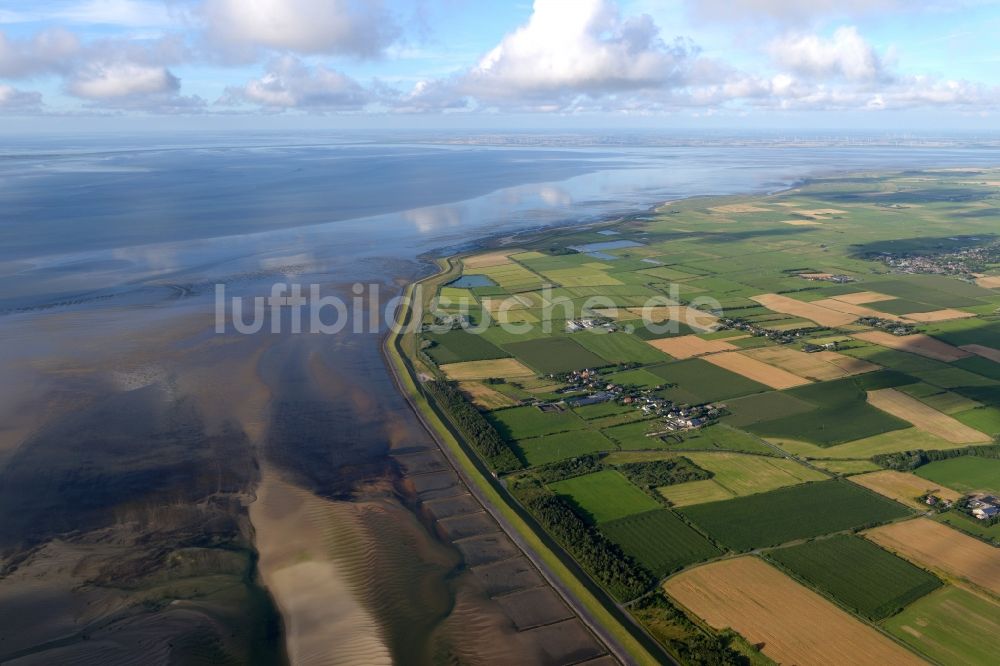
[695, 492]
[818, 366]
[924, 417]
[755, 370]
[966, 474]
[868, 580]
[527, 422]
[689, 346]
[548, 355]
[741, 474]
[605, 496]
[485, 397]
[768, 608]
[904, 488]
[846, 466]
[919, 344]
[906, 439]
[505, 367]
[790, 349]
[660, 541]
[550, 448]
[787, 514]
[970, 525]
[457, 346]
[842, 415]
[939, 547]
[951, 626]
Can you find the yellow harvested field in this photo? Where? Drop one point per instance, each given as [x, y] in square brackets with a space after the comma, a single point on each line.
[694, 492]
[989, 281]
[489, 259]
[946, 314]
[903, 487]
[756, 370]
[688, 346]
[862, 297]
[500, 367]
[485, 397]
[917, 343]
[811, 311]
[940, 547]
[984, 351]
[816, 276]
[819, 212]
[493, 305]
[924, 417]
[852, 309]
[696, 319]
[906, 439]
[792, 624]
[818, 366]
[739, 208]
[803, 223]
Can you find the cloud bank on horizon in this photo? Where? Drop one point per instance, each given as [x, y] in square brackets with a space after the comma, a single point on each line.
[574, 57]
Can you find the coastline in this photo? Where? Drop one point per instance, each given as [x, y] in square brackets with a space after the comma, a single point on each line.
[623, 637]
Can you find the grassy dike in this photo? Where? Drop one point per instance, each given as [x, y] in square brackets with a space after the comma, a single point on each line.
[401, 348]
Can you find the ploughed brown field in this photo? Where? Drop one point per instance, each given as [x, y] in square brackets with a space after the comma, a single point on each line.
[940, 547]
[792, 624]
[984, 351]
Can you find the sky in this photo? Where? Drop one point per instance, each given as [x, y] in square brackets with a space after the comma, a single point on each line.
[893, 65]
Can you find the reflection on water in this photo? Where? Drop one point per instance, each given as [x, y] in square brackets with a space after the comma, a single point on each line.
[134, 439]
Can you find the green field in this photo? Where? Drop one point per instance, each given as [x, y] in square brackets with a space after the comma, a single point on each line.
[796, 512]
[727, 250]
[842, 415]
[550, 448]
[983, 419]
[870, 581]
[970, 525]
[743, 474]
[554, 355]
[632, 436]
[965, 474]
[721, 437]
[699, 381]
[846, 466]
[951, 626]
[619, 347]
[764, 407]
[660, 541]
[527, 422]
[604, 496]
[459, 345]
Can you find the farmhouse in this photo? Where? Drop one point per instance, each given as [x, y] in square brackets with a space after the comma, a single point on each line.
[984, 507]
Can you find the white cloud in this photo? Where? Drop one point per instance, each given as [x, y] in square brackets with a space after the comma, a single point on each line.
[123, 13]
[103, 81]
[786, 11]
[844, 55]
[577, 46]
[290, 83]
[362, 28]
[46, 51]
[12, 99]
